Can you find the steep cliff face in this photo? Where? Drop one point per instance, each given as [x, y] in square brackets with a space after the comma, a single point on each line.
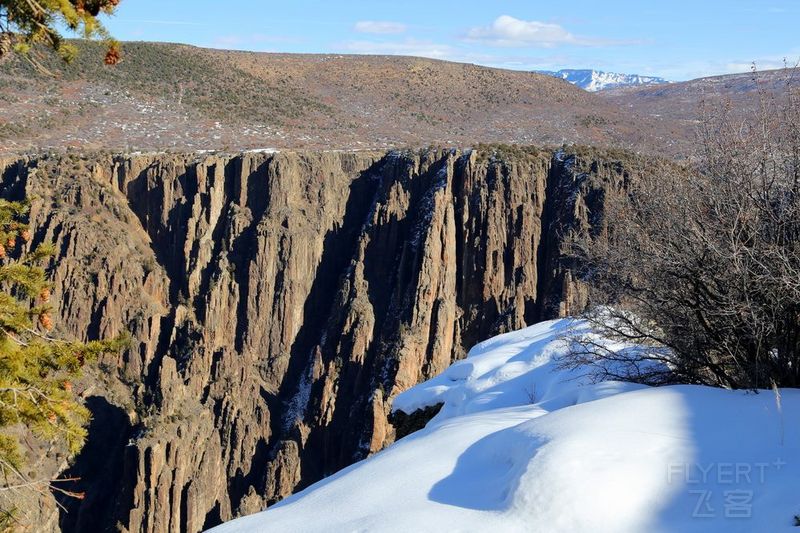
[278, 302]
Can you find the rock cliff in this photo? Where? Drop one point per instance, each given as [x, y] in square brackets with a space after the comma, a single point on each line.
[279, 301]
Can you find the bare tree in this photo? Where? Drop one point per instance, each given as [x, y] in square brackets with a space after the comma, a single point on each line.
[703, 266]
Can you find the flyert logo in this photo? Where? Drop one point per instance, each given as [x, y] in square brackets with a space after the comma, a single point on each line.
[722, 489]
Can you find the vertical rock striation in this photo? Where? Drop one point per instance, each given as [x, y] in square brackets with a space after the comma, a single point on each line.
[279, 301]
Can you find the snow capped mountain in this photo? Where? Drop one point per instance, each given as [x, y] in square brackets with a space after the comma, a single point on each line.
[597, 80]
[523, 444]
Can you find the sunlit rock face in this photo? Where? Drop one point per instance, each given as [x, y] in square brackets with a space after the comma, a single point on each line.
[278, 302]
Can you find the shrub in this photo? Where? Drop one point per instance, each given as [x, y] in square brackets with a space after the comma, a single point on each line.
[705, 268]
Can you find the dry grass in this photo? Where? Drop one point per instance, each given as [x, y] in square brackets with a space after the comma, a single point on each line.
[167, 96]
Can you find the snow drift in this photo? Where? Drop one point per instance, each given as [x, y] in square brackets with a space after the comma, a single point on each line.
[521, 444]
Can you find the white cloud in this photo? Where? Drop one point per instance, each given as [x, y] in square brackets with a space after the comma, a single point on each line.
[380, 27]
[765, 63]
[446, 52]
[509, 31]
[253, 41]
[701, 68]
[164, 22]
[408, 47]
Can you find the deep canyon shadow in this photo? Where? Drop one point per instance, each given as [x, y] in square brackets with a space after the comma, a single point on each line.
[98, 469]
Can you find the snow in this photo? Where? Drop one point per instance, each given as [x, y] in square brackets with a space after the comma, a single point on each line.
[597, 80]
[298, 404]
[521, 444]
[517, 368]
[261, 151]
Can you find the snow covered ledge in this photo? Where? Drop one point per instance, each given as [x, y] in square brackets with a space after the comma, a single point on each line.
[521, 444]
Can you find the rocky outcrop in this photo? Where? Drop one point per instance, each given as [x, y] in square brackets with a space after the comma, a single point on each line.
[278, 302]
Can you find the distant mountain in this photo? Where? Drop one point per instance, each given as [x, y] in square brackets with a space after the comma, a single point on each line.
[596, 80]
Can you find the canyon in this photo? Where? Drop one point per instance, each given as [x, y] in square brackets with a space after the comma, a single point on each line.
[278, 301]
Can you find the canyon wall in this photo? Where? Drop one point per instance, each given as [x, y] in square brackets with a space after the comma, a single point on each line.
[277, 302]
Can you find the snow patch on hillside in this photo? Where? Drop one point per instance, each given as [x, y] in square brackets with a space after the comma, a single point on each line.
[522, 444]
[517, 368]
[597, 80]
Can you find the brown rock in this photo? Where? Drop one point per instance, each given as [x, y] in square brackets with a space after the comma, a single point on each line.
[279, 302]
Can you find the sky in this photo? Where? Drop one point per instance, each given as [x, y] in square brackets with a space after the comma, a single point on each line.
[675, 39]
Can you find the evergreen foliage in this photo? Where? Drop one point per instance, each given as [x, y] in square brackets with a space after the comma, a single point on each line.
[27, 23]
[36, 369]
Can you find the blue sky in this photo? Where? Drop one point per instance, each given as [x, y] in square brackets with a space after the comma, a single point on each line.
[676, 39]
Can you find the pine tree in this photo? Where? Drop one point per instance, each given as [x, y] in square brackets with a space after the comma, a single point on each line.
[27, 23]
[36, 369]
